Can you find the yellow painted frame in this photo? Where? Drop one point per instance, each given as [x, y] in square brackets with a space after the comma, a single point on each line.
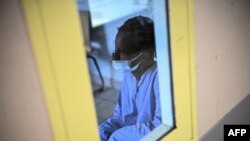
[55, 33]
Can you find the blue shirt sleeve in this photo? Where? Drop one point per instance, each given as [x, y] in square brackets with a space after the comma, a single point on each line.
[113, 123]
[157, 120]
[148, 126]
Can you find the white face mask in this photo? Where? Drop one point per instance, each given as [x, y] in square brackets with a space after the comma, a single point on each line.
[125, 65]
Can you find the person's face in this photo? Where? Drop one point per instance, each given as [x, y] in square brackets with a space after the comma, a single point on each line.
[131, 56]
[143, 57]
[135, 58]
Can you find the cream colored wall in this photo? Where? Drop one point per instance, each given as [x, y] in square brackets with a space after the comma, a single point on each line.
[222, 42]
[23, 115]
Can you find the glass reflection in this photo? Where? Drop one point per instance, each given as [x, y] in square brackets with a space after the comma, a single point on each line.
[121, 40]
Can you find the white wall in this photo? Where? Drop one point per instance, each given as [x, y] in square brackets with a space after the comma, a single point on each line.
[222, 42]
[23, 114]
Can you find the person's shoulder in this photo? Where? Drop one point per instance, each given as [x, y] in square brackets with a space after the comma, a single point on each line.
[154, 69]
[127, 75]
[155, 72]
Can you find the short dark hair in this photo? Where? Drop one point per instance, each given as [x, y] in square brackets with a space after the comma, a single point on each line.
[135, 34]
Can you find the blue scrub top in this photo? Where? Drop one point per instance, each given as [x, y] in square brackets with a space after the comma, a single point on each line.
[137, 111]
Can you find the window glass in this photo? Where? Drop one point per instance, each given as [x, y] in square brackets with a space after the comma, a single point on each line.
[128, 51]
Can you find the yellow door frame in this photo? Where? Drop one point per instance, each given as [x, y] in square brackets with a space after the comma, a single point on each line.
[55, 33]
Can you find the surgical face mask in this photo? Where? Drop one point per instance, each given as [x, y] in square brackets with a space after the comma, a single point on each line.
[125, 65]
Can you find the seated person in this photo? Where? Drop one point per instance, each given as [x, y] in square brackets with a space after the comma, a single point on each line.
[137, 111]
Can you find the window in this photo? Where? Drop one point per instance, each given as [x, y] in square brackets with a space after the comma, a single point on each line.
[100, 24]
[54, 31]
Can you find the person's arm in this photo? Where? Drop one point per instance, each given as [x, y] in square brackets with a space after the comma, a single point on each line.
[157, 118]
[148, 126]
[113, 123]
